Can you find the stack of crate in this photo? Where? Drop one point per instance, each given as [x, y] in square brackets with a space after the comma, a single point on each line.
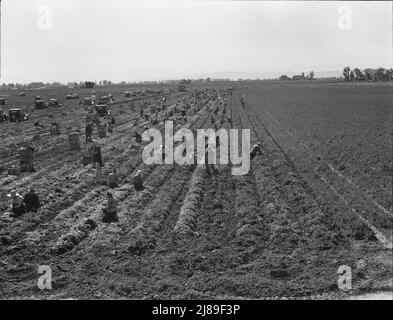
[152, 109]
[74, 141]
[26, 157]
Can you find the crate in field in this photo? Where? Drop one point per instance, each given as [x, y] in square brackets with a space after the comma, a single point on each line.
[102, 131]
[74, 141]
[26, 158]
[55, 129]
[88, 155]
[90, 118]
[13, 171]
[26, 154]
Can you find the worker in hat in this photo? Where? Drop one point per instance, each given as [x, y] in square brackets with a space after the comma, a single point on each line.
[113, 179]
[31, 201]
[138, 181]
[138, 137]
[210, 168]
[256, 149]
[89, 131]
[97, 158]
[17, 206]
[38, 124]
[243, 101]
[110, 211]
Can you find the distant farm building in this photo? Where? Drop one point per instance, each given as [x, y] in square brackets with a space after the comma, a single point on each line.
[370, 73]
[297, 77]
[284, 77]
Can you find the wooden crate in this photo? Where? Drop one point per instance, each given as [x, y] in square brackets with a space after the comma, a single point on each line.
[24, 167]
[74, 141]
[13, 171]
[102, 131]
[55, 129]
[26, 155]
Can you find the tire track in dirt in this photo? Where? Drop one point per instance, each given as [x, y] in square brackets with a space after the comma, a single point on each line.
[354, 205]
[346, 179]
[294, 193]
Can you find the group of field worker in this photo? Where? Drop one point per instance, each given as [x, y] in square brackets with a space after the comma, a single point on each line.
[20, 205]
[31, 202]
[110, 210]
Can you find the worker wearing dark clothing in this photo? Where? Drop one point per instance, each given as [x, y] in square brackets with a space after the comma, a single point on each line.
[243, 101]
[17, 205]
[256, 149]
[38, 124]
[89, 132]
[138, 181]
[98, 156]
[32, 202]
[110, 212]
[138, 137]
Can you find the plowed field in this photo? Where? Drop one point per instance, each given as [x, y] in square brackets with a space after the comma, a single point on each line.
[319, 196]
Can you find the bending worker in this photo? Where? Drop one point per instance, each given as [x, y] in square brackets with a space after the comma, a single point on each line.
[110, 212]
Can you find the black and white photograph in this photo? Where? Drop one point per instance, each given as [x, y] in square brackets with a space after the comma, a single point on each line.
[204, 152]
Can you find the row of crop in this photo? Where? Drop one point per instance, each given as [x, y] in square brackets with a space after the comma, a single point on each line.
[143, 235]
[300, 220]
[80, 232]
[250, 228]
[57, 198]
[189, 211]
[342, 201]
[146, 219]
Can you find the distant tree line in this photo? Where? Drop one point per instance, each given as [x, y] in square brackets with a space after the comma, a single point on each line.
[310, 76]
[380, 74]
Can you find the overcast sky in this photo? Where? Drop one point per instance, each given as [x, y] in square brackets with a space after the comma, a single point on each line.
[131, 40]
